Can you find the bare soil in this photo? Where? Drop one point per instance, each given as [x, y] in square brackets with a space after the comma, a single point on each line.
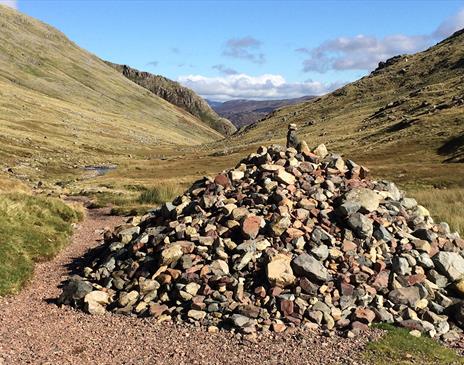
[34, 330]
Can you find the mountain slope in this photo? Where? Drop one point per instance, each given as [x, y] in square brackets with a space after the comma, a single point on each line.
[411, 108]
[178, 95]
[245, 112]
[62, 106]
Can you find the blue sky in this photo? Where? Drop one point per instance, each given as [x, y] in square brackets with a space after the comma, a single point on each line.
[251, 49]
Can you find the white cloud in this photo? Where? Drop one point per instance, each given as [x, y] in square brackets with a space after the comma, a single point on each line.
[364, 52]
[11, 3]
[262, 87]
[450, 25]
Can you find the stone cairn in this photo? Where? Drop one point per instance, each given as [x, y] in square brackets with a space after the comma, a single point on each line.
[288, 238]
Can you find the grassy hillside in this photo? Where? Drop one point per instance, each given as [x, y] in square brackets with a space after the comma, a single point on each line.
[32, 228]
[179, 95]
[61, 107]
[405, 115]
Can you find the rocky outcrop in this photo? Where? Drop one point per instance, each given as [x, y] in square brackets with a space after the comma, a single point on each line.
[178, 95]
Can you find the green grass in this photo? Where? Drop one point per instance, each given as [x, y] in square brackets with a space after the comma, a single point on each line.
[32, 229]
[89, 113]
[445, 205]
[159, 194]
[135, 199]
[398, 347]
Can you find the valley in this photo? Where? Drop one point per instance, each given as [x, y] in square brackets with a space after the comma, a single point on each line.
[86, 144]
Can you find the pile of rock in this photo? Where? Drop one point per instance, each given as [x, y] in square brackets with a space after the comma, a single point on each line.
[287, 238]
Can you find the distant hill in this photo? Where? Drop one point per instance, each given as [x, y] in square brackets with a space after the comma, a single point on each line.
[411, 107]
[179, 95]
[244, 112]
[61, 106]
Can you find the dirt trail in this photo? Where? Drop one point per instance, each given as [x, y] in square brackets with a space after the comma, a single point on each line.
[34, 330]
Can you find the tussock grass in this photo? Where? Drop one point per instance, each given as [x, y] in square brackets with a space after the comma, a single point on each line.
[400, 348]
[32, 229]
[9, 185]
[159, 194]
[445, 205]
[135, 199]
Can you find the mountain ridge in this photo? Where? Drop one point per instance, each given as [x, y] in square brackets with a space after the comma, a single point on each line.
[178, 95]
[243, 112]
[61, 106]
[412, 103]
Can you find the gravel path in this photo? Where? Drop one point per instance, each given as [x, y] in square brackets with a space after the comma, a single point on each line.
[34, 330]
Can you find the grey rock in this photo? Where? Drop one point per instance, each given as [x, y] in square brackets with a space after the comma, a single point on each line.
[306, 265]
[361, 225]
[321, 252]
[75, 290]
[450, 264]
[408, 296]
[367, 199]
[400, 265]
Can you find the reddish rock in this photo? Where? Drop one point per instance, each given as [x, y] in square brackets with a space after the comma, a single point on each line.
[346, 289]
[286, 307]
[349, 246]
[417, 278]
[278, 327]
[157, 310]
[197, 303]
[412, 324]
[164, 278]
[276, 291]
[381, 280]
[223, 180]
[379, 266]
[364, 315]
[251, 226]
[307, 286]
[294, 233]
[359, 326]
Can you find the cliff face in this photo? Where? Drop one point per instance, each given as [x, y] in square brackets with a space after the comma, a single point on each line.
[178, 95]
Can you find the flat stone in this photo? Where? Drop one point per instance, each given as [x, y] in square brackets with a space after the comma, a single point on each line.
[450, 264]
[236, 175]
[278, 327]
[196, 314]
[240, 321]
[156, 309]
[367, 199]
[307, 265]
[285, 177]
